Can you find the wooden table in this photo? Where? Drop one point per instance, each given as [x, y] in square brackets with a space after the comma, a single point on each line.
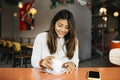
[111, 73]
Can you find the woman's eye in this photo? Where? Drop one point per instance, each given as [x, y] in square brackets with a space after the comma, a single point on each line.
[67, 27]
[59, 25]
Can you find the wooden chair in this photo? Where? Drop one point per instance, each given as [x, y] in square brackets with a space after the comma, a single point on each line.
[3, 48]
[9, 50]
[19, 57]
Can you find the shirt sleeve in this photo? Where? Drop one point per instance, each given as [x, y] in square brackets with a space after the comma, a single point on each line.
[36, 53]
[75, 58]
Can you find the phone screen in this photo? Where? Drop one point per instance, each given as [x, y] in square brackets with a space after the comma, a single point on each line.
[94, 74]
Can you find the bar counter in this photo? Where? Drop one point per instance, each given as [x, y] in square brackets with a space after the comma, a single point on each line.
[107, 73]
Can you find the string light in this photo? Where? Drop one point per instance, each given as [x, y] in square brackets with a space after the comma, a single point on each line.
[33, 11]
[103, 10]
[15, 14]
[104, 18]
[20, 5]
[116, 14]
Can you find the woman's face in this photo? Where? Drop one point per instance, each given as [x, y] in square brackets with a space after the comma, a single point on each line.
[61, 27]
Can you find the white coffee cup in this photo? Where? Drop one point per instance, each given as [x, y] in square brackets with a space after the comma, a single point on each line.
[57, 65]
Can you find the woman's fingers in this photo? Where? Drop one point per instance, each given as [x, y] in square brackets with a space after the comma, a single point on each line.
[70, 69]
[48, 62]
[48, 66]
[70, 66]
[49, 58]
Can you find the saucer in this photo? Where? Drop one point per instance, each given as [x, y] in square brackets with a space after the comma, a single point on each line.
[63, 70]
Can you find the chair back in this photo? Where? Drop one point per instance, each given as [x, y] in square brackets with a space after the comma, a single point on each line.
[1, 43]
[16, 46]
[114, 56]
[9, 44]
[4, 43]
[1, 46]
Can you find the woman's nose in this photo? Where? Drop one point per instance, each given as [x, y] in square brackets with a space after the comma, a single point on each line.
[63, 29]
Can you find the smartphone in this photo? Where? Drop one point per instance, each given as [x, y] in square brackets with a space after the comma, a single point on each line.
[93, 75]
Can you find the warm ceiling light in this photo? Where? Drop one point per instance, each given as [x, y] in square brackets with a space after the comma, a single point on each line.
[116, 14]
[20, 5]
[104, 18]
[15, 14]
[33, 11]
[103, 10]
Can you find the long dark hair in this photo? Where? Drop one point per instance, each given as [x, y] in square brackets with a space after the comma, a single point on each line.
[70, 38]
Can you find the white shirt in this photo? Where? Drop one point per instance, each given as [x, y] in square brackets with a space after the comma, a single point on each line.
[40, 50]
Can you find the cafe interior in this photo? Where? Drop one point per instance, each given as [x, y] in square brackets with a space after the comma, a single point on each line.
[97, 28]
[97, 24]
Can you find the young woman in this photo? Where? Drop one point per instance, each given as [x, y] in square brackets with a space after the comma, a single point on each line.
[60, 41]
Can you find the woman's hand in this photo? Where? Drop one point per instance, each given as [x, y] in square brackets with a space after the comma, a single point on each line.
[70, 66]
[47, 62]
